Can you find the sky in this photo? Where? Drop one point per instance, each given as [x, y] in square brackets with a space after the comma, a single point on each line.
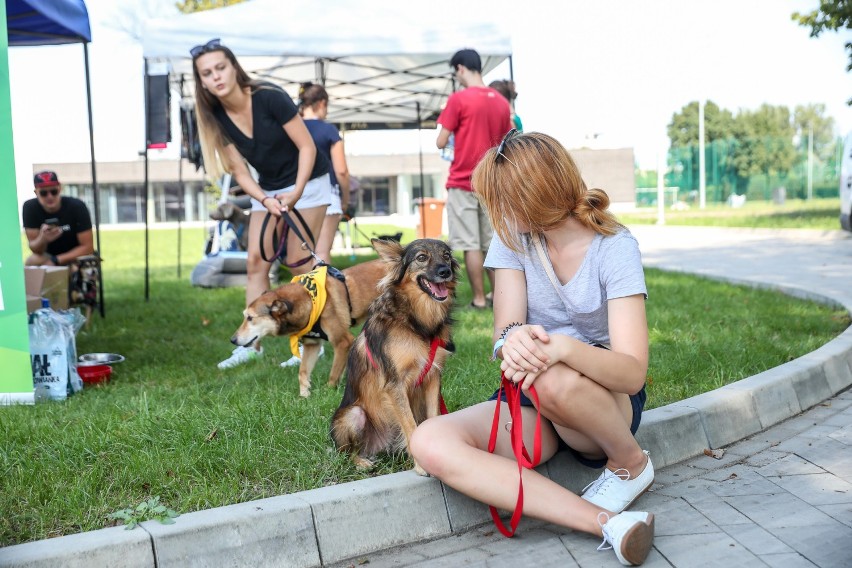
[603, 74]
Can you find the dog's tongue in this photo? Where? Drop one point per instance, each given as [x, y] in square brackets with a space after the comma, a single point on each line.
[439, 289]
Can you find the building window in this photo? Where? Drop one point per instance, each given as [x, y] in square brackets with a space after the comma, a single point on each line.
[375, 196]
[129, 203]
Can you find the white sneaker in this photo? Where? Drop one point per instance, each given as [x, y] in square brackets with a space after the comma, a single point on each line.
[629, 534]
[241, 355]
[296, 361]
[615, 490]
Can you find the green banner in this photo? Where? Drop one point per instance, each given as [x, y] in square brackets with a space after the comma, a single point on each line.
[16, 379]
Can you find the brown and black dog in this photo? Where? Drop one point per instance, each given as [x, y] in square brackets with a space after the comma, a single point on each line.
[287, 310]
[394, 369]
[83, 284]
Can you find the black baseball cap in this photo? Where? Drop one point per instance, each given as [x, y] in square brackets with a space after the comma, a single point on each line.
[45, 179]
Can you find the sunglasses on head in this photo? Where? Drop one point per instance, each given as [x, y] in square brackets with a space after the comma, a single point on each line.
[509, 135]
[45, 192]
[207, 47]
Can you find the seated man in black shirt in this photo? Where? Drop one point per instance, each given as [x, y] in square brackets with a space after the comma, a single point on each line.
[59, 229]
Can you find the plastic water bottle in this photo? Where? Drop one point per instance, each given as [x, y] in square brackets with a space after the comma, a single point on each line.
[448, 152]
[41, 393]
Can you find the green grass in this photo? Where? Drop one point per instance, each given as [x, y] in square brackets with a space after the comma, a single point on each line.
[170, 424]
[794, 214]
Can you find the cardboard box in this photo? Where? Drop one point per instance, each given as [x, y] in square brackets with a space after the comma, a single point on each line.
[33, 303]
[49, 282]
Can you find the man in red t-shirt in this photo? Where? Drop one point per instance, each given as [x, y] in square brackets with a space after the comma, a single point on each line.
[477, 117]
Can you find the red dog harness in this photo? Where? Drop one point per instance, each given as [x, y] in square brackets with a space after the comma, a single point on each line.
[433, 349]
[513, 399]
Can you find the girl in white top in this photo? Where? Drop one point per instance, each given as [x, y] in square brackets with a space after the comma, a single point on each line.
[581, 339]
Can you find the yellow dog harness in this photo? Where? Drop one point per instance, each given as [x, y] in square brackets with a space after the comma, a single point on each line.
[314, 283]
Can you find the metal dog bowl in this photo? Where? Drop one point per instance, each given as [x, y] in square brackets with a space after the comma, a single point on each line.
[90, 359]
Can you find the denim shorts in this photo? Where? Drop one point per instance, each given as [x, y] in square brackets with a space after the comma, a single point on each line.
[637, 402]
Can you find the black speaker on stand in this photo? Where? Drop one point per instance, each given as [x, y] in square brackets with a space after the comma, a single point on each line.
[158, 99]
[158, 134]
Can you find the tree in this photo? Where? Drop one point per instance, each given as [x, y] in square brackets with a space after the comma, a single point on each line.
[811, 120]
[764, 141]
[130, 15]
[190, 6]
[683, 129]
[683, 133]
[831, 15]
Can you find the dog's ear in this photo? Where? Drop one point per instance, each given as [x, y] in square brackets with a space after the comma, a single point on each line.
[281, 306]
[389, 251]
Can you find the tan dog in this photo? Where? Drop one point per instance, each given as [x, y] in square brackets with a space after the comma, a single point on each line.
[393, 376]
[287, 309]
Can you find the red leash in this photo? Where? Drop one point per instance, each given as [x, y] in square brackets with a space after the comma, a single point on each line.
[513, 399]
[433, 349]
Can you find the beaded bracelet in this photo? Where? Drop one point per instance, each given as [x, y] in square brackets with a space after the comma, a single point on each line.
[509, 327]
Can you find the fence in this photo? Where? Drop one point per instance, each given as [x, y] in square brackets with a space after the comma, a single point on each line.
[724, 160]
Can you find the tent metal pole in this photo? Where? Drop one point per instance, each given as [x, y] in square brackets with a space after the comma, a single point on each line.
[145, 208]
[181, 195]
[180, 209]
[420, 146]
[94, 177]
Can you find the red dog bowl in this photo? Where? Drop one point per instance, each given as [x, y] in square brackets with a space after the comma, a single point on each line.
[94, 374]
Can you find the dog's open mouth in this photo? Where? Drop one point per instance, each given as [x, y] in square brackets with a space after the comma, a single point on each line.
[250, 342]
[436, 290]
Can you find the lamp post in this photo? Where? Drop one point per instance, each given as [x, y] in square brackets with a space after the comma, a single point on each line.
[810, 162]
[661, 180]
[702, 177]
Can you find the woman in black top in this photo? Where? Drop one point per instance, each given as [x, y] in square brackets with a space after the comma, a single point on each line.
[242, 121]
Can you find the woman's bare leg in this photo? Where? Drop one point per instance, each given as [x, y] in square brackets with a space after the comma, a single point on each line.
[296, 250]
[454, 448]
[591, 419]
[326, 237]
[257, 269]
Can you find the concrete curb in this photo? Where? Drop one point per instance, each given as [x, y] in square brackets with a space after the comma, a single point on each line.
[328, 525]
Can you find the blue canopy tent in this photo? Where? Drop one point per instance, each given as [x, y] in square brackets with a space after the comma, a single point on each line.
[56, 22]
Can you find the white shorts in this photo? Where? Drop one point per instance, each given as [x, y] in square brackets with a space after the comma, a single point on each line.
[317, 192]
[335, 207]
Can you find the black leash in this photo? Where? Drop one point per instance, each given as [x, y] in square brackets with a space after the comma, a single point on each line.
[281, 249]
[357, 228]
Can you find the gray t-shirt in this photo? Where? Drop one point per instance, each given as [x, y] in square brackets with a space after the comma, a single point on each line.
[612, 268]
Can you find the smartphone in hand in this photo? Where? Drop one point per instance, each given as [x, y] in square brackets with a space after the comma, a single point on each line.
[53, 221]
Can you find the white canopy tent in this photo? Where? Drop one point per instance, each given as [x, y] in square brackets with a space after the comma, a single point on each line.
[381, 69]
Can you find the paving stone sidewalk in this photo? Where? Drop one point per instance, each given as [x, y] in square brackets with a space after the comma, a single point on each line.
[781, 498]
